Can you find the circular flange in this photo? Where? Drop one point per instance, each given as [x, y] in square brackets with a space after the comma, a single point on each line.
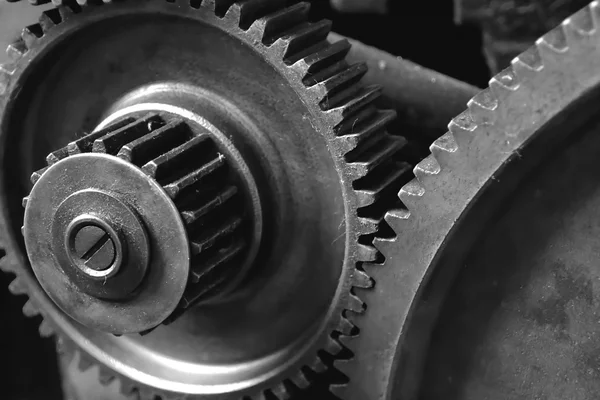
[132, 252]
[123, 194]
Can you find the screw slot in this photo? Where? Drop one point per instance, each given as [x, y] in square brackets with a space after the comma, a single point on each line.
[94, 246]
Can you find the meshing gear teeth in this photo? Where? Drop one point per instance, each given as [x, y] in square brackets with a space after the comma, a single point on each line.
[561, 68]
[369, 160]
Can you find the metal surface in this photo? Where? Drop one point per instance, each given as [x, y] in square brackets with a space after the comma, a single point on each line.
[331, 172]
[538, 103]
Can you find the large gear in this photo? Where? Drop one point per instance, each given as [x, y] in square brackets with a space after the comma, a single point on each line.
[536, 104]
[298, 70]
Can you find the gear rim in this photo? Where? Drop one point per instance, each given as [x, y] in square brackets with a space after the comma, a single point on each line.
[357, 167]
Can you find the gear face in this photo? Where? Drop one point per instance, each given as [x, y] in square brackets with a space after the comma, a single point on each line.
[263, 81]
[539, 102]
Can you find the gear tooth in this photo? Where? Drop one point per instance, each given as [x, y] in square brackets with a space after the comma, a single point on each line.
[219, 7]
[552, 46]
[50, 18]
[112, 141]
[270, 27]
[278, 391]
[106, 376]
[162, 166]
[175, 188]
[394, 218]
[24, 202]
[482, 108]
[366, 158]
[144, 149]
[361, 279]
[341, 107]
[462, 128]
[84, 362]
[69, 10]
[18, 286]
[37, 175]
[16, 50]
[366, 126]
[57, 155]
[292, 45]
[191, 216]
[46, 329]
[579, 25]
[443, 149]
[29, 309]
[245, 13]
[345, 327]
[31, 34]
[355, 304]
[332, 347]
[299, 380]
[527, 63]
[85, 144]
[317, 365]
[328, 83]
[426, 169]
[504, 84]
[322, 58]
[411, 195]
[367, 253]
[368, 226]
[387, 245]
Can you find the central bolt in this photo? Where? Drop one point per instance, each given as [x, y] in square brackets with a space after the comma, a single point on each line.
[94, 248]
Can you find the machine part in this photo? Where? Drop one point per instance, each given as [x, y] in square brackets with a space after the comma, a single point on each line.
[511, 26]
[541, 101]
[142, 190]
[309, 132]
[424, 100]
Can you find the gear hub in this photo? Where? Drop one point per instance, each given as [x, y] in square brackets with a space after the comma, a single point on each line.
[146, 206]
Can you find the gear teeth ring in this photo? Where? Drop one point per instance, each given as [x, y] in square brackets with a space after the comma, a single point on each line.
[369, 160]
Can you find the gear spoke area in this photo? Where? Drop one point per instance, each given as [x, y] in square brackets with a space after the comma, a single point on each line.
[203, 199]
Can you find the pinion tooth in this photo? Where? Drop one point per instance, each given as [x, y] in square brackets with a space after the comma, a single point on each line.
[16, 50]
[300, 380]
